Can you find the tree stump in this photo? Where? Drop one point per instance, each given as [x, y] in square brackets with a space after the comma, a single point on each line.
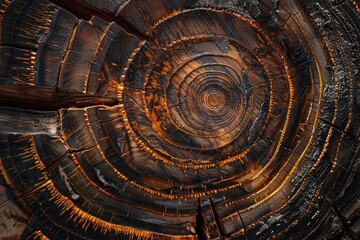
[179, 119]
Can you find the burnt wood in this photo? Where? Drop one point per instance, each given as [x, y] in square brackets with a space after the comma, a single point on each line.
[179, 119]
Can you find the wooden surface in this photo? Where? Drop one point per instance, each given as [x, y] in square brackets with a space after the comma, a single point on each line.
[13, 220]
[167, 119]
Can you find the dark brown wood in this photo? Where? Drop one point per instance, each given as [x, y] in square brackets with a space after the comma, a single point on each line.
[13, 220]
[168, 119]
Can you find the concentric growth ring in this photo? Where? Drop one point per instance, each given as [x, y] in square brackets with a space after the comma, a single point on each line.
[177, 94]
[181, 119]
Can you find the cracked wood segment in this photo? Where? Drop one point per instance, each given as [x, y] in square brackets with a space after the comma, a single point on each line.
[181, 119]
[38, 98]
[18, 121]
[85, 55]
[24, 24]
[68, 56]
[17, 67]
[52, 50]
[107, 165]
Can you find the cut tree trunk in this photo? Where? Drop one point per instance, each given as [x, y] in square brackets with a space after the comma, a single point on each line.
[168, 119]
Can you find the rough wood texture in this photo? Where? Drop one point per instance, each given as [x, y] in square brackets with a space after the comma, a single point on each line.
[169, 119]
[12, 219]
[19, 121]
